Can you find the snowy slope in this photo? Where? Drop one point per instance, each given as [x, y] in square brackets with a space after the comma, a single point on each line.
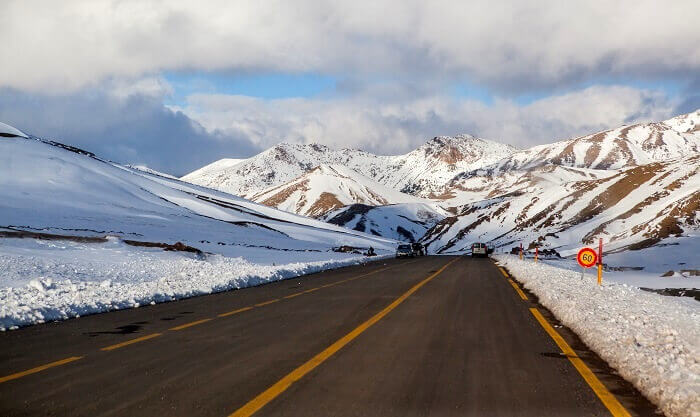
[329, 187]
[420, 172]
[563, 208]
[406, 222]
[48, 188]
[93, 209]
[9, 131]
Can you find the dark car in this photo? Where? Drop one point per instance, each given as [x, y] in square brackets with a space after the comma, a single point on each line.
[418, 249]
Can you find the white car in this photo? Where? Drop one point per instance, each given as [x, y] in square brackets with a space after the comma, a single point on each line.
[479, 249]
[405, 250]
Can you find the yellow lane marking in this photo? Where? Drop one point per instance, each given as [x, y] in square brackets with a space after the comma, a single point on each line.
[517, 288]
[608, 399]
[132, 341]
[264, 303]
[503, 271]
[39, 369]
[186, 325]
[280, 386]
[240, 310]
[296, 294]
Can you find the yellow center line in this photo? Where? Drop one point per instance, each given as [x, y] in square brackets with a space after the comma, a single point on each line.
[132, 341]
[240, 310]
[608, 399]
[264, 303]
[186, 325]
[517, 288]
[280, 386]
[39, 369]
[503, 271]
[296, 294]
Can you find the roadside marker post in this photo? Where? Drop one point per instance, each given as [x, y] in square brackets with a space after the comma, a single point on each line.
[600, 262]
[521, 251]
[536, 253]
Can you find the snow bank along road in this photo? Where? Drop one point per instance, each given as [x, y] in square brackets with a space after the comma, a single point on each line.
[432, 336]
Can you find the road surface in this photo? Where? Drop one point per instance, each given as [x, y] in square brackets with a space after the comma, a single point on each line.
[432, 336]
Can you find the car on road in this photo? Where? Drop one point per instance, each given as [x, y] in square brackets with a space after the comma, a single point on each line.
[405, 250]
[480, 249]
[418, 249]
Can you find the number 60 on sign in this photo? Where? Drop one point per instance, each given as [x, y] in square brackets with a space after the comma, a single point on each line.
[587, 257]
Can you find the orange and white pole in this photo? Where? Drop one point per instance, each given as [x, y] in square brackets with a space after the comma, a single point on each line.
[537, 253]
[600, 261]
[521, 251]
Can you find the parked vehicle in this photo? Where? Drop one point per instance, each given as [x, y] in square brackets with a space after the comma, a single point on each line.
[418, 249]
[405, 250]
[479, 249]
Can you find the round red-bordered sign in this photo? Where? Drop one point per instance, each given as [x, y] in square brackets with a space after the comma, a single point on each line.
[587, 257]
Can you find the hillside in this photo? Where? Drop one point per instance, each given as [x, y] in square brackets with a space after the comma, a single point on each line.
[616, 148]
[405, 222]
[52, 188]
[562, 207]
[329, 187]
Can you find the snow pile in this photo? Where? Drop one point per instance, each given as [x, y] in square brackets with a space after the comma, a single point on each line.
[652, 340]
[40, 285]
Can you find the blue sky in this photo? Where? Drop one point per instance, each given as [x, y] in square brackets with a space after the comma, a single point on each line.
[261, 85]
[176, 85]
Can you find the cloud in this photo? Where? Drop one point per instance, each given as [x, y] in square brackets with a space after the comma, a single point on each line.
[511, 46]
[392, 127]
[123, 125]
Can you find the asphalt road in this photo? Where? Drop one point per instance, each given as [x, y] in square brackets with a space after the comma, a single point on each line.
[434, 336]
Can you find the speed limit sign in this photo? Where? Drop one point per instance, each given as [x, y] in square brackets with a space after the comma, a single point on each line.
[587, 257]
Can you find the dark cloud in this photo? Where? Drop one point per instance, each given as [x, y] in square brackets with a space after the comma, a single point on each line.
[137, 129]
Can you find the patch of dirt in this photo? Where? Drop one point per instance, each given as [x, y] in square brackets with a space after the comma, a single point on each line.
[177, 246]
[282, 196]
[22, 234]
[325, 203]
[683, 212]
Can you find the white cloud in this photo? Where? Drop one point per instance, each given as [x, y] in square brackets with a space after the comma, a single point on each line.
[510, 45]
[390, 127]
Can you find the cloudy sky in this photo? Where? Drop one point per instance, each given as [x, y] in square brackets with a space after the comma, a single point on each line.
[178, 84]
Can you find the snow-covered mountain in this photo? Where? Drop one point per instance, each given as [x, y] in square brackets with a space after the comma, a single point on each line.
[329, 187]
[563, 207]
[427, 169]
[420, 172]
[496, 193]
[616, 148]
[406, 222]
